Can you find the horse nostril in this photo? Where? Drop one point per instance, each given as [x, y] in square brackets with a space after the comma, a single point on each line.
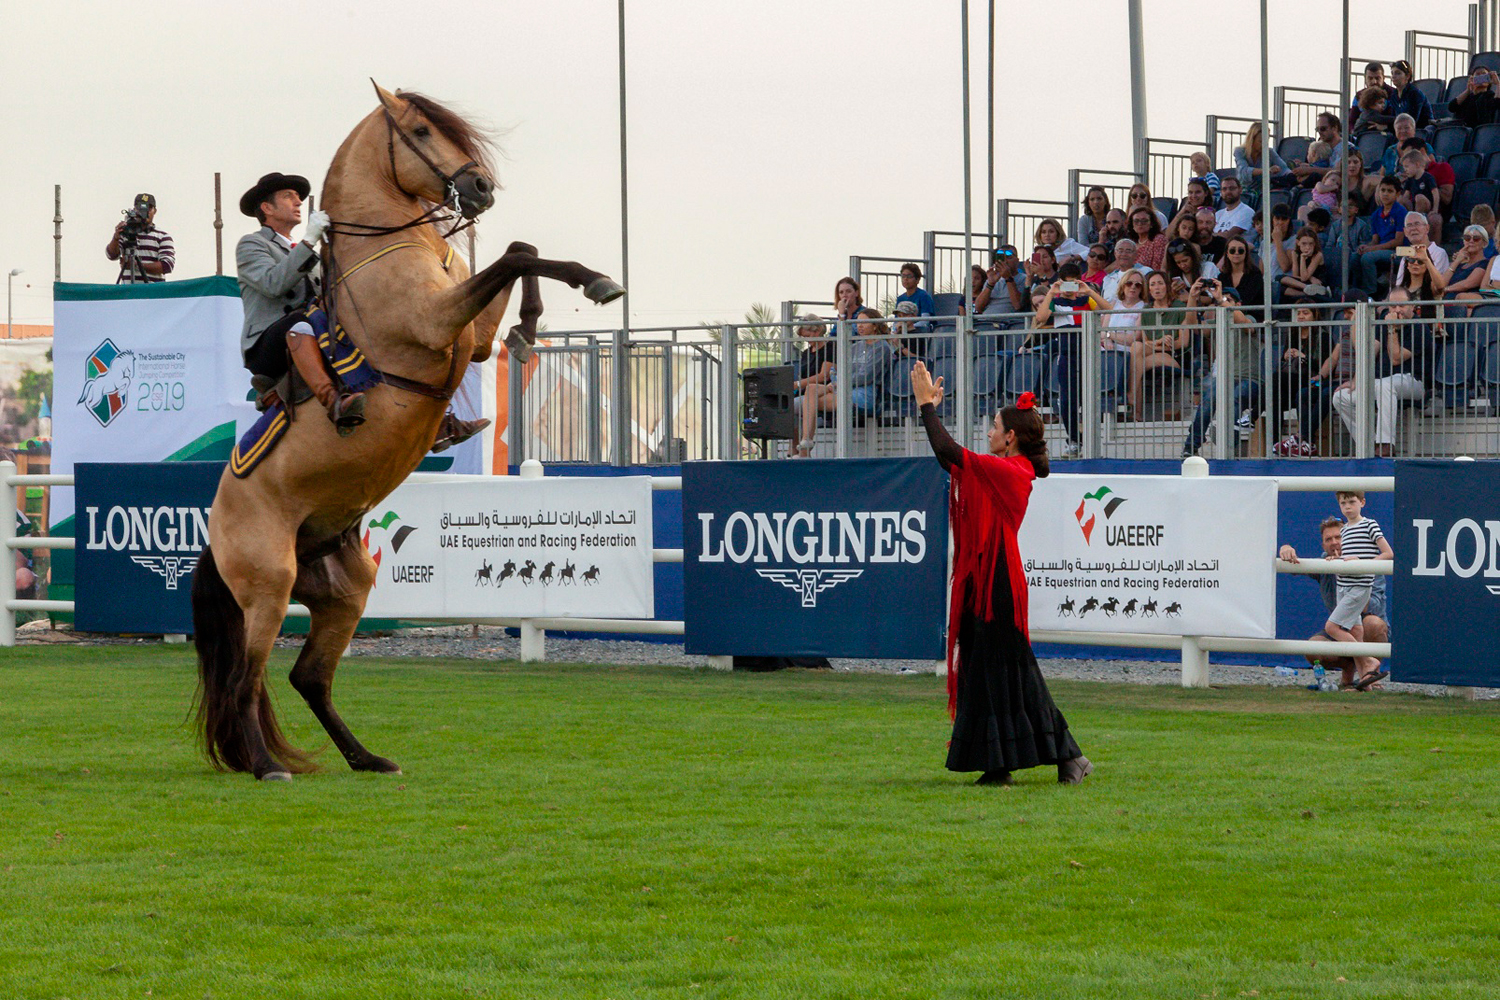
[481, 185]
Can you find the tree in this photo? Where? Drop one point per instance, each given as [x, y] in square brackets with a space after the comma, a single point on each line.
[29, 393]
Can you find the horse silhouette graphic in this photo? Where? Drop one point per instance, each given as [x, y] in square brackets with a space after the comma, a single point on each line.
[591, 575]
[1129, 609]
[1174, 610]
[1148, 610]
[566, 574]
[1065, 608]
[546, 576]
[508, 570]
[526, 572]
[106, 388]
[1110, 606]
[482, 576]
[1088, 605]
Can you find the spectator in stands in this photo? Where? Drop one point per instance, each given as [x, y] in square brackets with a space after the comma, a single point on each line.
[1185, 266]
[912, 291]
[1418, 188]
[1125, 311]
[1376, 627]
[1098, 265]
[1041, 269]
[847, 299]
[1126, 262]
[1303, 362]
[1248, 165]
[1165, 340]
[1402, 368]
[1301, 269]
[1210, 244]
[1361, 184]
[1114, 228]
[1198, 196]
[1484, 216]
[1443, 176]
[1234, 219]
[1465, 273]
[1240, 371]
[1147, 233]
[1387, 228]
[1372, 116]
[1325, 194]
[1406, 98]
[1006, 272]
[814, 366]
[869, 363]
[1374, 80]
[1203, 170]
[1328, 131]
[1478, 103]
[1183, 227]
[1140, 197]
[1281, 238]
[1353, 230]
[1405, 128]
[1238, 271]
[1415, 232]
[1049, 234]
[145, 252]
[1096, 210]
[1066, 300]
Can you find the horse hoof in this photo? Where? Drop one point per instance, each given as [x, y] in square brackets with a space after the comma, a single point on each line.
[276, 776]
[378, 765]
[603, 290]
[516, 344]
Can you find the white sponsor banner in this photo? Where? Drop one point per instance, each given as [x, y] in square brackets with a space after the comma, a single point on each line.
[1162, 555]
[146, 373]
[513, 548]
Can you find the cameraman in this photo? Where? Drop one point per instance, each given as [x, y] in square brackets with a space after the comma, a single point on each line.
[145, 253]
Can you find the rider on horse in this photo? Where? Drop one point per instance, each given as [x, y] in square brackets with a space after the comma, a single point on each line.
[279, 287]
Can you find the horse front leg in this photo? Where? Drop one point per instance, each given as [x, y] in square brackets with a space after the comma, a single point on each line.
[459, 305]
[334, 588]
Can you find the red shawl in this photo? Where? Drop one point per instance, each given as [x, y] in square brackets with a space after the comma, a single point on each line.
[987, 498]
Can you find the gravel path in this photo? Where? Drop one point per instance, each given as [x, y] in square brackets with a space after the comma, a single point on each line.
[490, 642]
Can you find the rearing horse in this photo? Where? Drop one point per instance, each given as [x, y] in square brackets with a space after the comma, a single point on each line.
[290, 529]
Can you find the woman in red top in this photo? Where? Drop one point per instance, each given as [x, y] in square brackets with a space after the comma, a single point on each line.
[1003, 717]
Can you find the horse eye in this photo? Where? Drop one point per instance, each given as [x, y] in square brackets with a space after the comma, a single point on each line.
[421, 131]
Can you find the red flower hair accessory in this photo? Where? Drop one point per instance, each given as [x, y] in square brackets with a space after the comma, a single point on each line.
[1026, 402]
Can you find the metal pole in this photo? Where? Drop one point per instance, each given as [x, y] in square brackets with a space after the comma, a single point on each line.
[989, 218]
[1223, 388]
[1344, 160]
[1138, 88]
[1089, 361]
[1266, 248]
[619, 401]
[10, 280]
[218, 226]
[1362, 336]
[843, 403]
[729, 415]
[515, 429]
[57, 221]
[624, 198]
[963, 396]
[8, 576]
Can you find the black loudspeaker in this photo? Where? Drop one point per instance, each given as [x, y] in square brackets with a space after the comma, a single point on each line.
[768, 413]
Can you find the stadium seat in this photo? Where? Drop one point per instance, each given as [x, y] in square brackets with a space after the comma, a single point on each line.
[1293, 147]
[1491, 166]
[947, 304]
[947, 370]
[1224, 172]
[987, 372]
[1372, 146]
[1466, 166]
[1114, 367]
[1023, 374]
[1450, 139]
[1456, 86]
[1301, 196]
[1434, 90]
[1489, 367]
[1454, 371]
[1478, 191]
[1489, 60]
[1486, 139]
[1166, 206]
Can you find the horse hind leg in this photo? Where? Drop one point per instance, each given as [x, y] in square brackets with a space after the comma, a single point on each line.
[334, 588]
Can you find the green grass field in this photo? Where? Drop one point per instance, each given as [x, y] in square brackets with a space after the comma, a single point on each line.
[638, 833]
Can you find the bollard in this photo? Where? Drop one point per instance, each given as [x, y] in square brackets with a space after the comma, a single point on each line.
[530, 469]
[719, 662]
[533, 642]
[1194, 656]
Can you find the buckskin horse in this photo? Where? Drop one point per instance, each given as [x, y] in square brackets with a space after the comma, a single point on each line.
[289, 529]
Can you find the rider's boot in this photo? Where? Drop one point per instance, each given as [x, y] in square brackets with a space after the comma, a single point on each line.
[454, 431]
[347, 410]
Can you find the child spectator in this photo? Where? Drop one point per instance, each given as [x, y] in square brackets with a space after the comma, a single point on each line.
[1418, 187]
[1387, 231]
[1203, 171]
[1360, 539]
[1301, 268]
[1325, 195]
[1372, 115]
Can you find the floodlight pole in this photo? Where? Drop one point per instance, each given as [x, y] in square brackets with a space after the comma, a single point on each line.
[1344, 159]
[1266, 241]
[624, 198]
[961, 391]
[1137, 89]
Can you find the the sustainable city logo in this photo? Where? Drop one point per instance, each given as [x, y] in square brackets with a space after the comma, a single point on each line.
[1086, 515]
[385, 531]
[106, 386]
[810, 582]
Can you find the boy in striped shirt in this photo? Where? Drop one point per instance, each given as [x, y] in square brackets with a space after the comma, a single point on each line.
[1360, 538]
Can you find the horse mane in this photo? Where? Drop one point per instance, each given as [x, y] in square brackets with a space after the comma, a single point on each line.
[471, 140]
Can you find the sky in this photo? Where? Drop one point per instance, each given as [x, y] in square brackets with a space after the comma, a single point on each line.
[767, 141]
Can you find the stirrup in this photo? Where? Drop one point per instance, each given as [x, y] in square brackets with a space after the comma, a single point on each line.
[265, 392]
[347, 412]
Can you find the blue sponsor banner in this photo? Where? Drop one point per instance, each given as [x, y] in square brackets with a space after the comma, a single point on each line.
[815, 558]
[138, 530]
[1448, 572]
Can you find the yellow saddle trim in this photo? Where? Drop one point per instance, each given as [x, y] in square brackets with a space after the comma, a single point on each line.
[240, 464]
[446, 259]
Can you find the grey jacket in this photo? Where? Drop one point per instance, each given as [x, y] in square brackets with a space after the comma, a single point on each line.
[273, 281]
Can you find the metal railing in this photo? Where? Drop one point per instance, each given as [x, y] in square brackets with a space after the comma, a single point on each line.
[949, 268]
[1016, 220]
[1438, 54]
[879, 278]
[1226, 132]
[1169, 166]
[1116, 184]
[1298, 108]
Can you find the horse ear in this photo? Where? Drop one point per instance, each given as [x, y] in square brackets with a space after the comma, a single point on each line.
[386, 97]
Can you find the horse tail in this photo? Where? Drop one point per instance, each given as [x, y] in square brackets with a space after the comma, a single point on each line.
[226, 681]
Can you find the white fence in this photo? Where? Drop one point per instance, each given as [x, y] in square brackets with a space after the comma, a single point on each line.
[1195, 649]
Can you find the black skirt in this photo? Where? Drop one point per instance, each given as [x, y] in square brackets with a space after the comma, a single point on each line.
[1005, 718]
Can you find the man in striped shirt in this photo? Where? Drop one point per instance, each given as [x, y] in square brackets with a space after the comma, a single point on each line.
[146, 254]
[1360, 538]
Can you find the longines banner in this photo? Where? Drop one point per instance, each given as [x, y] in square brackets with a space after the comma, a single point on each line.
[1447, 542]
[475, 547]
[152, 373]
[511, 548]
[1163, 555]
[815, 558]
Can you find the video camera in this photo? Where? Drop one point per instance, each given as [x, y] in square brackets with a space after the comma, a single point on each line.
[137, 219]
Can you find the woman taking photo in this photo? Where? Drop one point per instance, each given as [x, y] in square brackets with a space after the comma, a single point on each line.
[1150, 240]
[1096, 207]
[1163, 342]
[1004, 719]
[1186, 265]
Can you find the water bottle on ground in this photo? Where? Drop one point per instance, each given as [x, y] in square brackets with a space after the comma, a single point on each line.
[1319, 677]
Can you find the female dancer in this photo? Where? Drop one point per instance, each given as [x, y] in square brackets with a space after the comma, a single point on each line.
[1003, 717]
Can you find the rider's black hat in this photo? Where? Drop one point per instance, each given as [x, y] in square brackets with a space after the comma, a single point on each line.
[269, 185]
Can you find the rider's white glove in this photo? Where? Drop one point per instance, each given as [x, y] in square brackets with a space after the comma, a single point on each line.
[317, 223]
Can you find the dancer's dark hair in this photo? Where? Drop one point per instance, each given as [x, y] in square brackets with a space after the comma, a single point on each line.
[1027, 424]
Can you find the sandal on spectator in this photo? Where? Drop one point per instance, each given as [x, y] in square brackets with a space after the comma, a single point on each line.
[1364, 682]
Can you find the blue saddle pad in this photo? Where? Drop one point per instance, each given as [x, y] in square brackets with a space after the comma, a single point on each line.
[258, 441]
[344, 357]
